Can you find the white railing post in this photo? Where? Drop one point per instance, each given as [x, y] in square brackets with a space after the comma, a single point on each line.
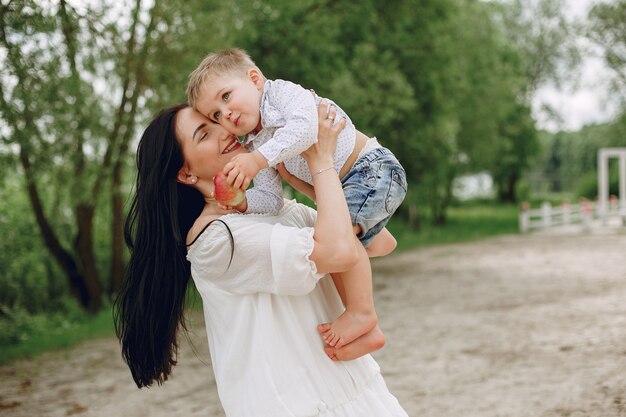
[567, 212]
[524, 217]
[603, 181]
[586, 213]
[546, 214]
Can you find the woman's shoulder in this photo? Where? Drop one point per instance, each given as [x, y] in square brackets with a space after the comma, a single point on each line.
[199, 227]
[212, 227]
[207, 240]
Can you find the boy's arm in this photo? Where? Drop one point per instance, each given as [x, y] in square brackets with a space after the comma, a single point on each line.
[267, 194]
[296, 107]
[304, 187]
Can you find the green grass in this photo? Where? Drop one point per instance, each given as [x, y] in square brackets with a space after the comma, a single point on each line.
[465, 223]
[53, 333]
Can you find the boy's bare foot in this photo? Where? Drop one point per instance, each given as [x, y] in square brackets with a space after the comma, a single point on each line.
[348, 327]
[369, 342]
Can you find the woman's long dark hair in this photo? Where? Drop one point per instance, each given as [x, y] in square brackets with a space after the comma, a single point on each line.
[150, 305]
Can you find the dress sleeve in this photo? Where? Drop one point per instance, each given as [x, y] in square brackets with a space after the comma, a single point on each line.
[267, 194]
[267, 258]
[297, 108]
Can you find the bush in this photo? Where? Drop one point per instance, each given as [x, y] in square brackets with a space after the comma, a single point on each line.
[25, 336]
[14, 326]
[587, 185]
[17, 325]
[522, 190]
[30, 280]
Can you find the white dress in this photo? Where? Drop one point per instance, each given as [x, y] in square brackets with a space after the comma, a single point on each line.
[261, 309]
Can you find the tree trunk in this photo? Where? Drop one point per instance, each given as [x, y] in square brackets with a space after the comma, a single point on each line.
[77, 283]
[441, 195]
[507, 189]
[414, 218]
[117, 250]
[511, 185]
[440, 218]
[84, 249]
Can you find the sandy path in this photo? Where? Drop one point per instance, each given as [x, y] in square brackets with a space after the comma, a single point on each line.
[511, 326]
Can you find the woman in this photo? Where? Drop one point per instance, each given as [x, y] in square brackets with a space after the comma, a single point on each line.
[263, 279]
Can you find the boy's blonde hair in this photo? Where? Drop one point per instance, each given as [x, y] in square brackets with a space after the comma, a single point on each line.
[228, 61]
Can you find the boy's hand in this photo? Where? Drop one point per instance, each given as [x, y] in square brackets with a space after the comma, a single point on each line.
[242, 168]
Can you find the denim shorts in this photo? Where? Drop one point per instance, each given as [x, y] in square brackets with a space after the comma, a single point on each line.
[374, 189]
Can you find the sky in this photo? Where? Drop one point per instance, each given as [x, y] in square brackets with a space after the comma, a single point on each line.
[584, 102]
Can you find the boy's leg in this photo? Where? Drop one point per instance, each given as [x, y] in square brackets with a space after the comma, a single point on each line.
[336, 276]
[382, 244]
[360, 316]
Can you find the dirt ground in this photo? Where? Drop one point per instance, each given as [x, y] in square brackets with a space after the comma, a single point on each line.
[506, 327]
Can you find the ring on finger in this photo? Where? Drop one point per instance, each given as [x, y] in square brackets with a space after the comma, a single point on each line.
[330, 106]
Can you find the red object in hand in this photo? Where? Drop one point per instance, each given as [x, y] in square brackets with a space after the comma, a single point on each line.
[224, 193]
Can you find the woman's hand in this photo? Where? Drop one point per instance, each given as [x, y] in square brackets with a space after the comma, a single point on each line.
[335, 248]
[320, 155]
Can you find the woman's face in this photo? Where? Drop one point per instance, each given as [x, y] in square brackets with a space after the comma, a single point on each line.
[206, 146]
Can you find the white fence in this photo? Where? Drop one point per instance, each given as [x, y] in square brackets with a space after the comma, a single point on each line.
[583, 213]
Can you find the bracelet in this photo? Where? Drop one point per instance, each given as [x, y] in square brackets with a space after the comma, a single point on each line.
[322, 170]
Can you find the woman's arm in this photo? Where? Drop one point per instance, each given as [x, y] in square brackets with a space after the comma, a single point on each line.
[334, 248]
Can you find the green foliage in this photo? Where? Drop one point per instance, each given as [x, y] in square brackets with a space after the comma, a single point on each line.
[379, 96]
[587, 185]
[568, 160]
[20, 325]
[608, 30]
[29, 281]
[543, 38]
[519, 143]
[523, 191]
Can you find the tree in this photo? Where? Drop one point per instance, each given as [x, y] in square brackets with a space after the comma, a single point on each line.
[544, 38]
[545, 51]
[608, 30]
[57, 122]
[519, 143]
[73, 86]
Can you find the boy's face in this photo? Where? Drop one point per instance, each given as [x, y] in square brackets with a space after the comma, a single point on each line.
[233, 101]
